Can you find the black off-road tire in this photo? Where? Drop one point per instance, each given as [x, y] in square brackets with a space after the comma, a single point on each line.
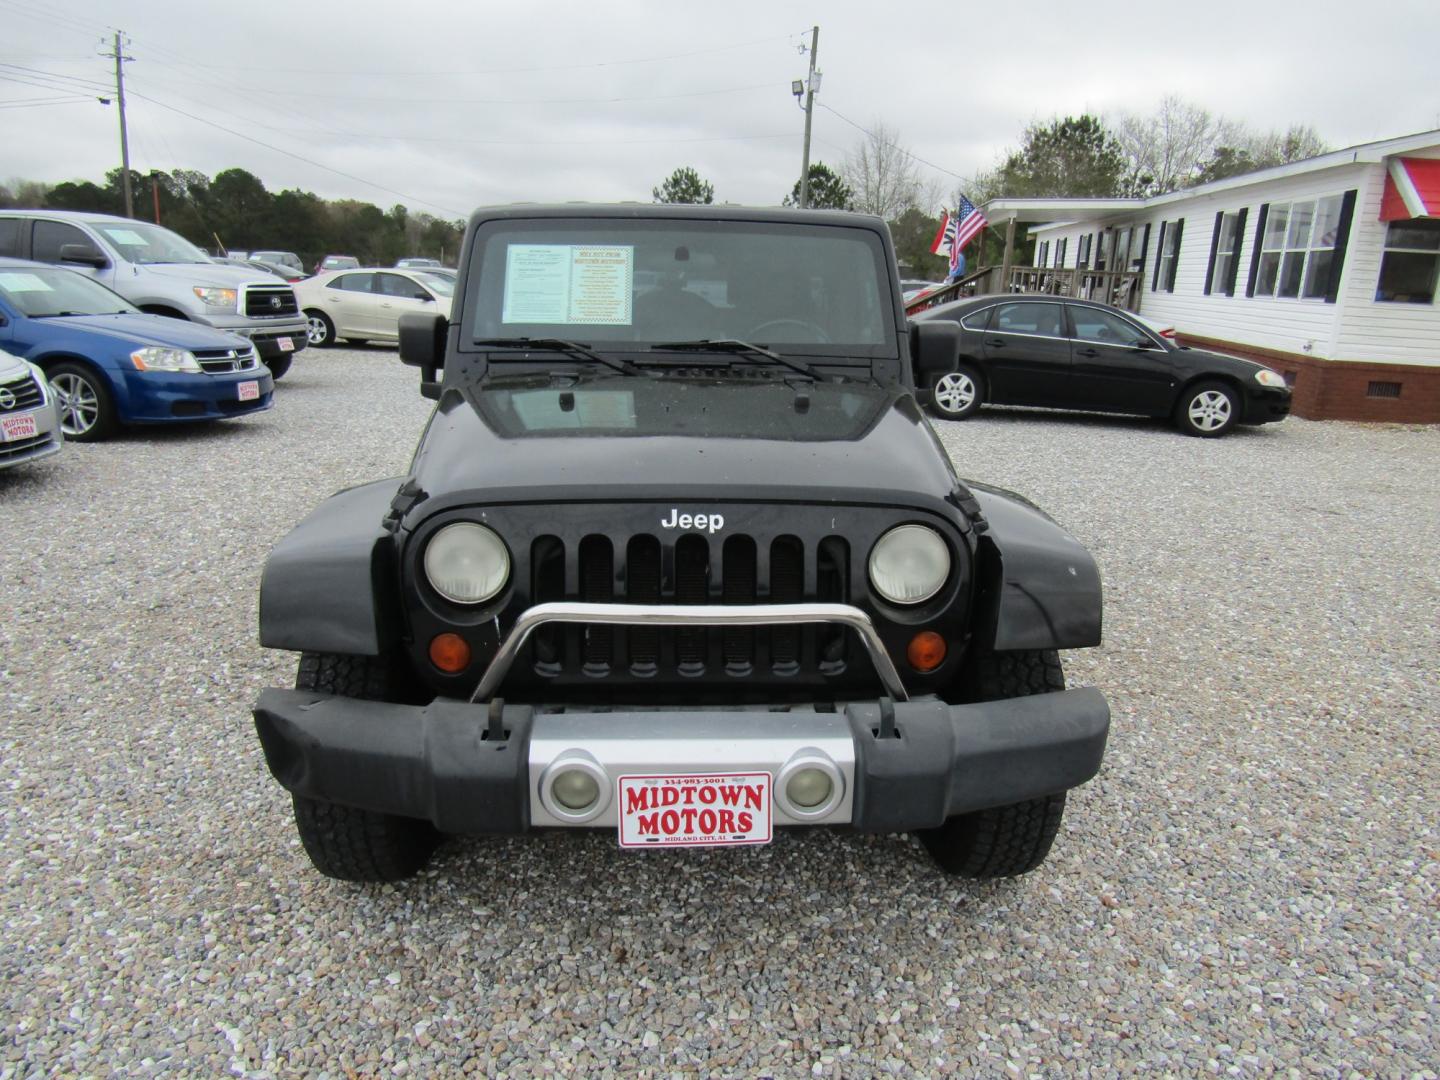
[342, 841]
[1004, 841]
[278, 366]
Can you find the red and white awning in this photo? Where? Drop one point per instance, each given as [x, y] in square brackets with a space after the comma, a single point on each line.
[1412, 189]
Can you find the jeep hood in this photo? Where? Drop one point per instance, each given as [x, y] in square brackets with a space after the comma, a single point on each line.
[841, 443]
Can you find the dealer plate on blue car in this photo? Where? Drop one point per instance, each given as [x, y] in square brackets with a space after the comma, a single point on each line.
[693, 811]
[250, 391]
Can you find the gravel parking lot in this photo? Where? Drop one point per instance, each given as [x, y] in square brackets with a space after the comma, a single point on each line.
[1249, 886]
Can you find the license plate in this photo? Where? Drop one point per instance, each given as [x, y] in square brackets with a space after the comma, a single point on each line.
[691, 811]
[18, 427]
[249, 391]
[286, 344]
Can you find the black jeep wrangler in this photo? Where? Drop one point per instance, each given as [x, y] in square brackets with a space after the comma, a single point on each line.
[679, 556]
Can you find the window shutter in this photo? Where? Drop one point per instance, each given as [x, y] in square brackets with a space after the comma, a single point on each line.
[1342, 240]
[1259, 243]
[1159, 253]
[1214, 247]
[1144, 247]
[1175, 261]
[1235, 256]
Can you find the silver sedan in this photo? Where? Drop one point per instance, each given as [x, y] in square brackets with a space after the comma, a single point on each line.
[29, 414]
[366, 305]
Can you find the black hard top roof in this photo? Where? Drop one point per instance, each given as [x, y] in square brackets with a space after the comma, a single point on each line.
[679, 211]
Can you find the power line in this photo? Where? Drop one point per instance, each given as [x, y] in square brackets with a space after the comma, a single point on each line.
[589, 100]
[894, 146]
[297, 157]
[35, 103]
[431, 72]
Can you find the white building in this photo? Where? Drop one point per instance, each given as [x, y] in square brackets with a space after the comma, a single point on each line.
[1325, 269]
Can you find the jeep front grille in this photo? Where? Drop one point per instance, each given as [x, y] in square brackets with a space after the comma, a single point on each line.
[737, 569]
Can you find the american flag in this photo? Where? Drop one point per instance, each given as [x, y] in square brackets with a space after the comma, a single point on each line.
[957, 230]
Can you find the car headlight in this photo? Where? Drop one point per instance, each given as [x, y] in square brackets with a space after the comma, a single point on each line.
[155, 358]
[909, 564]
[466, 563]
[216, 298]
[1266, 377]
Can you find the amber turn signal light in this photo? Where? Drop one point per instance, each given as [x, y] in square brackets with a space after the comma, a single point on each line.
[450, 653]
[926, 651]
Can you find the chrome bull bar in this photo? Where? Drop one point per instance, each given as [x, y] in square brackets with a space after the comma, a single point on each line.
[689, 615]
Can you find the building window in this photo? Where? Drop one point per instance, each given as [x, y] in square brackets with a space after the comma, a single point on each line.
[1298, 249]
[1170, 233]
[1084, 250]
[1227, 255]
[1042, 256]
[1410, 264]
[1060, 247]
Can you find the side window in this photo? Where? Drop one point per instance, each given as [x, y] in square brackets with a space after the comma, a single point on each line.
[10, 237]
[403, 287]
[1103, 328]
[1409, 266]
[51, 236]
[350, 283]
[1039, 319]
[977, 320]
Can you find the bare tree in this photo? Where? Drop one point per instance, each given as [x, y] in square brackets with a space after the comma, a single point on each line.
[882, 174]
[1168, 149]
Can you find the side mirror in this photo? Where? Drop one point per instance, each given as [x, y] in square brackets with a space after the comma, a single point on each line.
[1144, 343]
[934, 348]
[422, 345]
[84, 254]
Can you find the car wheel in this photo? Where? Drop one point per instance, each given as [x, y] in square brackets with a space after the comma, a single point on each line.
[319, 330]
[956, 395]
[1003, 841]
[342, 841]
[87, 412]
[1207, 409]
[279, 366]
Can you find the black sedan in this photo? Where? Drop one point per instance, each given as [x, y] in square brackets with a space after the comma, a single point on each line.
[1074, 354]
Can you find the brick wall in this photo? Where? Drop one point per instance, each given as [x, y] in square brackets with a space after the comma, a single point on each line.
[1342, 389]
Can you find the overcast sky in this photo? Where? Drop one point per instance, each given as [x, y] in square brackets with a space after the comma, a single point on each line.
[492, 103]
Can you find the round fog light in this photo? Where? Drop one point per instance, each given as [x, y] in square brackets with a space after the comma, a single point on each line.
[575, 789]
[809, 788]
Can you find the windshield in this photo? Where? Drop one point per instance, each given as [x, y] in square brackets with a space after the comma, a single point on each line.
[530, 407]
[437, 283]
[817, 289]
[143, 244]
[41, 291]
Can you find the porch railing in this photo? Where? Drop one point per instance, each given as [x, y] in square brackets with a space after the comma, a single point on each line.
[1122, 288]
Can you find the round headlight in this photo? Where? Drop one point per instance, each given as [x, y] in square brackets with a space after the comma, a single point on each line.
[466, 563]
[909, 564]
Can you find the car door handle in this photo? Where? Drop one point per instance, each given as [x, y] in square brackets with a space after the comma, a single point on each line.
[1087, 352]
[995, 343]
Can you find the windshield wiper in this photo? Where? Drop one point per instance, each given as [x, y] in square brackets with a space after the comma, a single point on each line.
[569, 348]
[744, 348]
[57, 315]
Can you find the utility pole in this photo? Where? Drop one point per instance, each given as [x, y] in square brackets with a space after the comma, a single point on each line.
[809, 111]
[120, 58]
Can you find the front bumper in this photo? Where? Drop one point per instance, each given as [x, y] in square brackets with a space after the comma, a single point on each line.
[1266, 405]
[476, 768]
[166, 397]
[264, 335]
[47, 440]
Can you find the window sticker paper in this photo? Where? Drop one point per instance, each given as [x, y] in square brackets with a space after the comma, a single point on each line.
[568, 284]
[23, 283]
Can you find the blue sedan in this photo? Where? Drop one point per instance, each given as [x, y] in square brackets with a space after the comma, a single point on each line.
[110, 364]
